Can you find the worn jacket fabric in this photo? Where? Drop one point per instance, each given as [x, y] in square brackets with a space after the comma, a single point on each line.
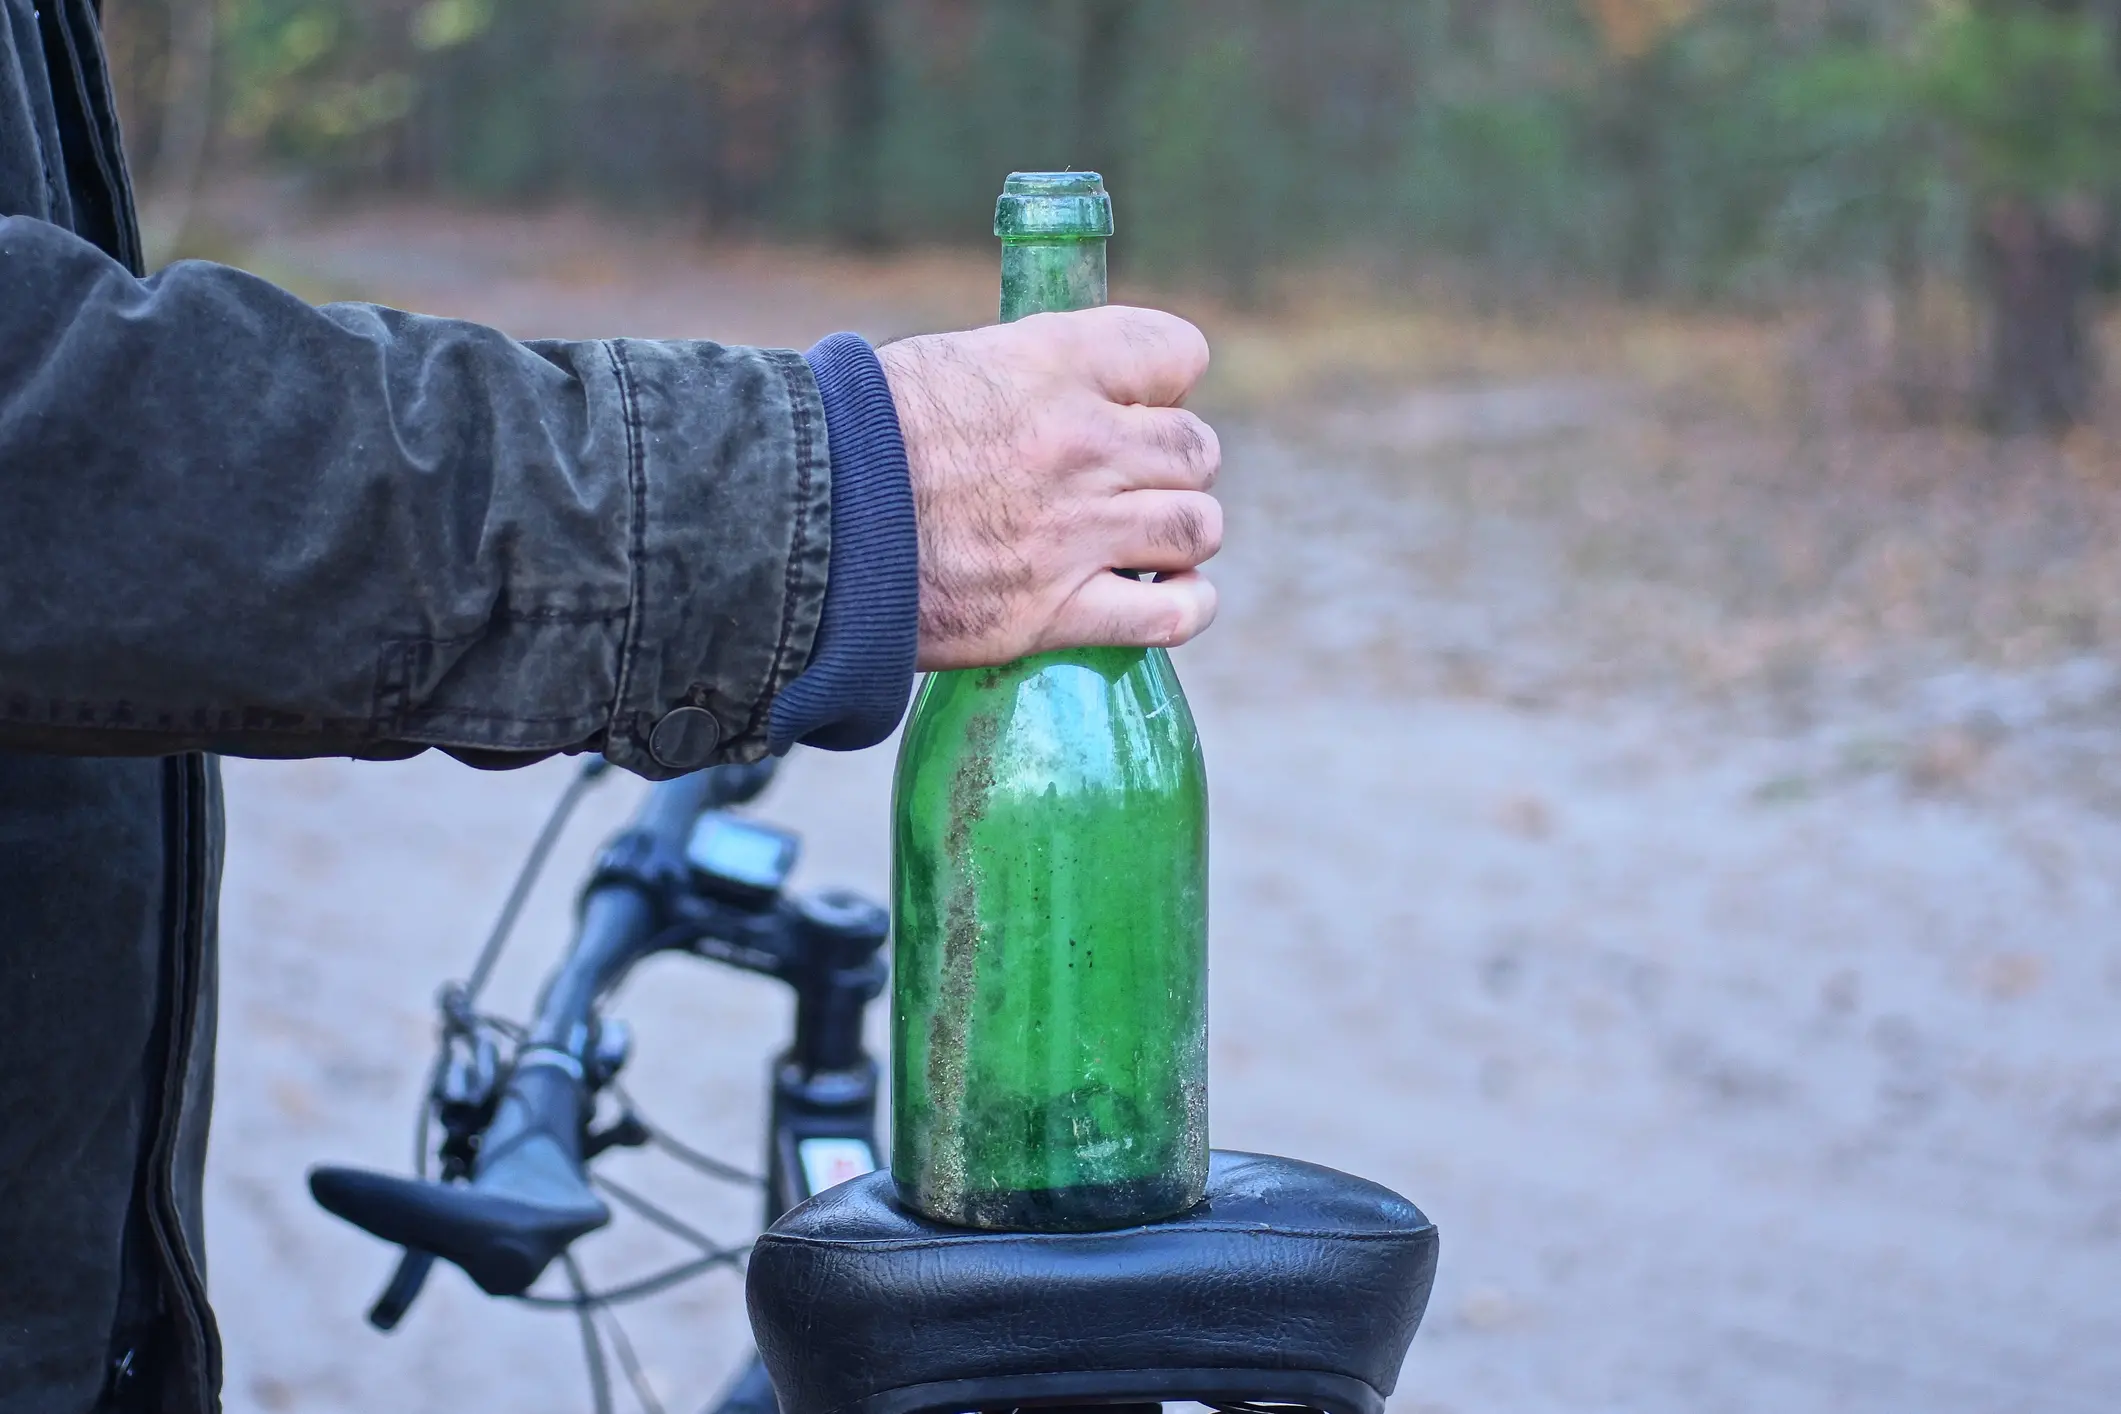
[233, 523]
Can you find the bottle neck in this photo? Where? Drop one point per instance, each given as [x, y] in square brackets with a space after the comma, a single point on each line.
[1052, 276]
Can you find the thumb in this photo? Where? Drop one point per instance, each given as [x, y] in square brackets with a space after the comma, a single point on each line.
[1140, 356]
[1114, 611]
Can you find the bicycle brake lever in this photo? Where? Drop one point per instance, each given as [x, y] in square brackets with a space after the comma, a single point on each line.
[625, 1132]
[404, 1287]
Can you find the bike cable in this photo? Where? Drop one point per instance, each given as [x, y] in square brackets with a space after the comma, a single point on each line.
[593, 1309]
[457, 997]
[592, 771]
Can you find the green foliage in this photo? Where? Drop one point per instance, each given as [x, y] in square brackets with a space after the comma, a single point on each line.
[444, 24]
[1210, 186]
[1681, 147]
[2030, 95]
[312, 80]
[1498, 180]
[1861, 185]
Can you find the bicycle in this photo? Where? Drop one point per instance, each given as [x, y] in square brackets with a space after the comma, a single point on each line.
[1291, 1287]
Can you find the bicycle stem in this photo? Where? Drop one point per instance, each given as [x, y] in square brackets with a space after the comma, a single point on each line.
[826, 948]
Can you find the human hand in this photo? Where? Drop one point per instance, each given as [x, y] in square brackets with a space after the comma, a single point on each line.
[1046, 453]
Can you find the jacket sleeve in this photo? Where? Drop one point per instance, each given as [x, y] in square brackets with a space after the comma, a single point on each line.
[233, 522]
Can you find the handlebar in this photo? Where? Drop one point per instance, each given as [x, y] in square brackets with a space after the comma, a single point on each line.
[620, 918]
[529, 1195]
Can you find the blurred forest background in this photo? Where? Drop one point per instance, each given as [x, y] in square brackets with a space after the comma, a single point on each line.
[1954, 163]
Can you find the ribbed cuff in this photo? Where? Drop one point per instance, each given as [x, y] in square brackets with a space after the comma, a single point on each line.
[854, 690]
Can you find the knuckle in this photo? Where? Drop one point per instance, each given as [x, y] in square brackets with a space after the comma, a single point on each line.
[1192, 528]
[1154, 334]
[1186, 347]
[1138, 326]
[1083, 436]
[1041, 341]
[1195, 446]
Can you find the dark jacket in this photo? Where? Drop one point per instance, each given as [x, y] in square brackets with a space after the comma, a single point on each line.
[233, 523]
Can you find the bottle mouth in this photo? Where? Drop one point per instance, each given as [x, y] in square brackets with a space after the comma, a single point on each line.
[1048, 206]
[1054, 184]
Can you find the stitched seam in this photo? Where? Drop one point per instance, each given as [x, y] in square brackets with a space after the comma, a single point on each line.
[358, 738]
[110, 151]
[1233, 1366]
[637, 537]
[473, 714]
[85, 715]
[395, 711]
[125, 716]
[1266, 1367]
[884, 1244]
[98, 139]
[799, 415]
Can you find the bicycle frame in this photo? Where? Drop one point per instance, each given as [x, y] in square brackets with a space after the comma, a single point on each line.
[827, 948]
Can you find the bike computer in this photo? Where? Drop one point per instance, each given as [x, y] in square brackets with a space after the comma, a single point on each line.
[740, 860]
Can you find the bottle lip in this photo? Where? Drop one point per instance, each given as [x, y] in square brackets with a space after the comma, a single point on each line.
[1053, 206]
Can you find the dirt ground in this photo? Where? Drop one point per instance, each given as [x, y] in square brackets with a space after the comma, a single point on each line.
[1674, 840]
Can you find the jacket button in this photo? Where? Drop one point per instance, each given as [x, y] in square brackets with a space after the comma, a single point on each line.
[685, 739]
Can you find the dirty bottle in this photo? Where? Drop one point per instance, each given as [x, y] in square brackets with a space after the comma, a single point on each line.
[1049, 877]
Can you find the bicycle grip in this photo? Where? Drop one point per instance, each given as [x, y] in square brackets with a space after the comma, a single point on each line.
[402, 1290]
[528, 1201]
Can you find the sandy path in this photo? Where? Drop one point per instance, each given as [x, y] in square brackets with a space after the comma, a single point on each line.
[1727, 1097]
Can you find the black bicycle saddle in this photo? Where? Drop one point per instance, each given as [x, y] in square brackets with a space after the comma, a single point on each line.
[1290, 1284]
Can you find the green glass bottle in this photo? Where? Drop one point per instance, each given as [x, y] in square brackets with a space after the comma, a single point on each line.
[1049, 876]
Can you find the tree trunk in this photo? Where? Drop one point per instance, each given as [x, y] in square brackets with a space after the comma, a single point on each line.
[1108, 36]
[2038, 263]
[186, 127]
[1105, 44]
[856, 43]
[1631, 129]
